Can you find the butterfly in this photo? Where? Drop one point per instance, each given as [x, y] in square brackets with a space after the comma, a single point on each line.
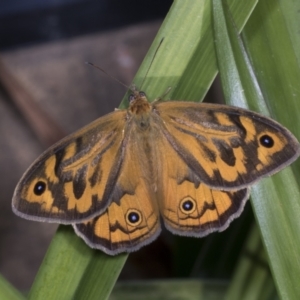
[190, 165]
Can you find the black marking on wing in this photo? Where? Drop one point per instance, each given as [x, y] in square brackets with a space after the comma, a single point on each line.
[60, 200]
[234, 118]
[96, 176]
[197, 136]
[225, 151]
[209, 154]
[79, 182]
[119, 192]
[59, 155]
[235, 142]
[191, 177]
[79, 144]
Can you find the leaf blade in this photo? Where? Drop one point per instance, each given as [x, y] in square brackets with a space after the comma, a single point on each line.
[278, 220]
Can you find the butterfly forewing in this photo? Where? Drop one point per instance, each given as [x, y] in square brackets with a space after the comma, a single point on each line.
[227, 147]
[71, 180]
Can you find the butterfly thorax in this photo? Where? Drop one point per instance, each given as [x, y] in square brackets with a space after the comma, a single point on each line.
[140, 109]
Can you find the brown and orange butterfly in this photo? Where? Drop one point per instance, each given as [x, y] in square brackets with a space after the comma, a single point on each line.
[192, 164]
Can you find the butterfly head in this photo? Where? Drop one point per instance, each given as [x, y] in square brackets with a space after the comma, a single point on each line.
[139, 109]
[138, 103]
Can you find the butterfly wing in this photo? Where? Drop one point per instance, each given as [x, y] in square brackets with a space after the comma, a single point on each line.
[211, 155]
[132, 218]
[126, 225]
[202, 210]
[227, 147]
[73, 179]
[187, 205]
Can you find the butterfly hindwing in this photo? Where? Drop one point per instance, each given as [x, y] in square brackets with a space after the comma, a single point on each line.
[125, 226]
[198, 211]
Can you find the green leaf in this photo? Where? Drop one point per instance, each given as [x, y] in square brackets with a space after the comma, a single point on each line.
[272, 77]
[185, 60]
[71, 268]
[169, 289]
[252, 278]
[9, 292]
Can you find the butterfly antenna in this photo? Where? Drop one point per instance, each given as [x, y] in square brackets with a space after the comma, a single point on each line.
[107, 74]
[152, 61]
